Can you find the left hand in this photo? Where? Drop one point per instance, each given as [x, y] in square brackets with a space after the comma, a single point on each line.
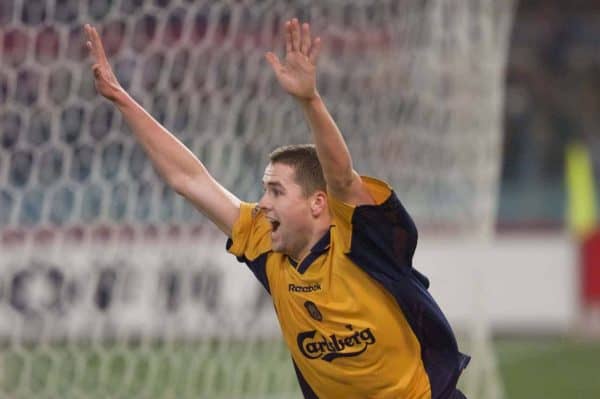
[104, 78]
[297, 74]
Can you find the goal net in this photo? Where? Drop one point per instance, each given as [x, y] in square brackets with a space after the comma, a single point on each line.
[110, 284]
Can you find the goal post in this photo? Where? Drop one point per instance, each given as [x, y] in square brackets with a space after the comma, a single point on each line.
[112, 285]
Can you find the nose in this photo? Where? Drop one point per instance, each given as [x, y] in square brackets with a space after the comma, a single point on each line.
[264, 203]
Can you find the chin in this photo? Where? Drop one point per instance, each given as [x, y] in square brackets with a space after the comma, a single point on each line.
[280, 249]
[276, 247]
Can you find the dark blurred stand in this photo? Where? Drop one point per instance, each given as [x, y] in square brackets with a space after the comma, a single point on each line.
[553, 96]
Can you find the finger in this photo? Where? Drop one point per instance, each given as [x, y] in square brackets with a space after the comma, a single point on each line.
[305, 41]
[295, 28]
[288, 37]
[89, 39]
[99, 48]
[274, 61]
[88, 31]
[91, 42]
[315, 50]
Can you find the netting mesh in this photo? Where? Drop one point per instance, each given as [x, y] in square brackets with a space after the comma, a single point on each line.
[415, 86]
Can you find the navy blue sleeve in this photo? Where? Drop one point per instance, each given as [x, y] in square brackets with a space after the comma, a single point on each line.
[384, 238]
[258, 266]
[386, 233]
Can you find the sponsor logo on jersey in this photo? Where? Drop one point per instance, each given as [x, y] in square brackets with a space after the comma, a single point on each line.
[328, 348]
[304, 288]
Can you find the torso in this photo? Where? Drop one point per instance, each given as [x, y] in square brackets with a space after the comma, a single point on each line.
[346, 333]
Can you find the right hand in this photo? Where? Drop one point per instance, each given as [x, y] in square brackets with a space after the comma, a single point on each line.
[297, 74]
[104, 79]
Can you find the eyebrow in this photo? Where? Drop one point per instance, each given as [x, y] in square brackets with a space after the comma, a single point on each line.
[275, 184]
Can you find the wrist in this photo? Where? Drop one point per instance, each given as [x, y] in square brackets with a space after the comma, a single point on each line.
[313, 99]
[121, 97]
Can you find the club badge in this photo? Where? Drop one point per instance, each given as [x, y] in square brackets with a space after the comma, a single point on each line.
[313, 311]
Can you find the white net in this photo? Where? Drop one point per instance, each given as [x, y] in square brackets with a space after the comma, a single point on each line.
[110, 284]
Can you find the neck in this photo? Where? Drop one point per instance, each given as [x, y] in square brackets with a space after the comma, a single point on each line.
[317, 234]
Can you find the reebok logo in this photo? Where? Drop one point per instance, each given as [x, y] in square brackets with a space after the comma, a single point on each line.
[316, 346]
[304, 288]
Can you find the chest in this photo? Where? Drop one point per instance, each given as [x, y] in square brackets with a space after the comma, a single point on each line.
[333, 296]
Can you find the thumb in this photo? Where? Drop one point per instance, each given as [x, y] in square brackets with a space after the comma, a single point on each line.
[96, 69]
[274, 61]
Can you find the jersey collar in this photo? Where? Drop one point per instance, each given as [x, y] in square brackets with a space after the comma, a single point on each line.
[317, 250]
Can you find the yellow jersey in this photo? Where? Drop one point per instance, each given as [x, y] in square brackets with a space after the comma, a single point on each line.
[351, 331]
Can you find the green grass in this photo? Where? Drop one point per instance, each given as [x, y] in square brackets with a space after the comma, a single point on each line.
[549, 369]
[530, 369]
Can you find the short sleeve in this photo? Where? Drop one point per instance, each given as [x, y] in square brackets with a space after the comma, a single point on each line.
[343, 212]
[383, 233]
[250, 233]
[250, 240]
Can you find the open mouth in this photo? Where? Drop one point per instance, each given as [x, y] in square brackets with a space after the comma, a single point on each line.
[274, 225]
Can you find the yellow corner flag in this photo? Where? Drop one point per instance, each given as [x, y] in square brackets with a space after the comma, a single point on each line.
[581, 194]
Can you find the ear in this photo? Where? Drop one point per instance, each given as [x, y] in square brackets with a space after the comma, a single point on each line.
[318, 203]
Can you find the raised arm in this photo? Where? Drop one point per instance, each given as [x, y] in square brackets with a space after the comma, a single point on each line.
[174, 162]
[297, 76]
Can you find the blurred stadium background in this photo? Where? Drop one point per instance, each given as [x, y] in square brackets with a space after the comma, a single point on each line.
[110, 286]
[552, 103]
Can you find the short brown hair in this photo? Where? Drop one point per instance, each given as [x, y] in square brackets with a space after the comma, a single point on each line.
[303, 158]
